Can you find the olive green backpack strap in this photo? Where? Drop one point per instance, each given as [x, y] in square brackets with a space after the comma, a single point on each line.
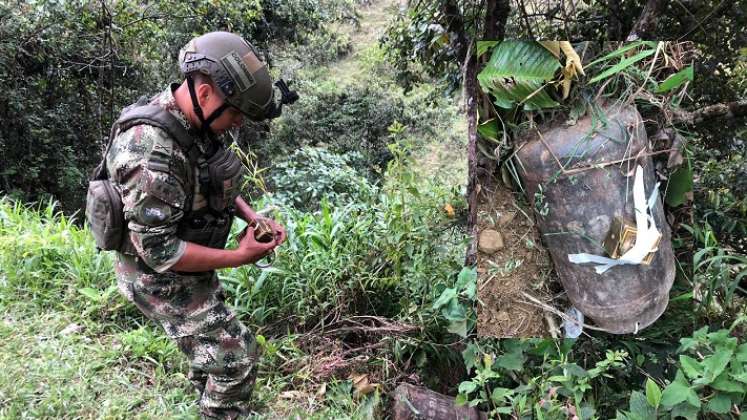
[157, 116]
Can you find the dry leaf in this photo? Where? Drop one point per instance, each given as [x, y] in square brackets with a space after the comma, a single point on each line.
[552, 46]
[449, 210]
[566, 86]
[322, 390]
[361, 384]
[291, 395]
[572, 67]
[675, 156]
[572, 56]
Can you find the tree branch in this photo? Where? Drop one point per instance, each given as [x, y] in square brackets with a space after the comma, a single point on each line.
[646, 23]
[736, 109]
[470, 90]
[496, 14]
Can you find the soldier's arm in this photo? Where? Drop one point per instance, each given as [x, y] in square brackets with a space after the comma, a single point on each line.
[244, 210]
[201, 258]
[151, 172]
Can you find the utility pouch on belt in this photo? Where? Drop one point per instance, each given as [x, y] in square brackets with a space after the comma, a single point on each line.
[206, 228]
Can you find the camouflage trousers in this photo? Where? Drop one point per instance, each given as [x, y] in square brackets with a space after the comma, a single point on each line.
[222, 368]
[222, 352]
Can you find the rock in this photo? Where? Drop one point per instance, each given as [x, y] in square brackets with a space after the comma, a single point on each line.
[71, 329]
[490, 241]
[502, 316]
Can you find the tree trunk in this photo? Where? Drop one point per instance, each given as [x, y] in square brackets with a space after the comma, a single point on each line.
[614, 25]
[470, 89]
[645, 26]
[496, 15]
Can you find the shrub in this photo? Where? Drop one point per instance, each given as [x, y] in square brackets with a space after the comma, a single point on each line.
[344, 119]
[311, 175]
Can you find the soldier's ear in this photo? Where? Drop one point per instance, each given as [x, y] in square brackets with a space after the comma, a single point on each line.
[204, 93]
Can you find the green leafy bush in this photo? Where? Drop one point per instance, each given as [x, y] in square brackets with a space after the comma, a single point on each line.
[311, 175]
[543, 378]
[711, 380]
[65, 80]
[344, 120]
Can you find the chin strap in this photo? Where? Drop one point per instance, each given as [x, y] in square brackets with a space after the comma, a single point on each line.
[204, 122]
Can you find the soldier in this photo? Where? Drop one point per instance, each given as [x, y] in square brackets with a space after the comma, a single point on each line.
[179, 190]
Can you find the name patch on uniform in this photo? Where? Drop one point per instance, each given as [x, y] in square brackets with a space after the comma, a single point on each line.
[238, 71]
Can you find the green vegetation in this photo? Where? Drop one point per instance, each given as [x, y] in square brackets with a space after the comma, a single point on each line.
[67, 79]
[672, 369]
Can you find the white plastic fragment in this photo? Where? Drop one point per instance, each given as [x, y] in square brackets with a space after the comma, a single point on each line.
[573, 329]
[646, 233]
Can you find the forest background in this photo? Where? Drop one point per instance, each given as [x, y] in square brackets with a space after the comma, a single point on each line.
[371, 289]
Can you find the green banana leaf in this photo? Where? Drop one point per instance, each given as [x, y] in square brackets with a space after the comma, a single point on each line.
[517, 73]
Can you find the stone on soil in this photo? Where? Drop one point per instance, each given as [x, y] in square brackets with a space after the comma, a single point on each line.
[490, 241]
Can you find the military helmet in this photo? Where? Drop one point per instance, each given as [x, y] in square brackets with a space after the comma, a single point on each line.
[234, 66]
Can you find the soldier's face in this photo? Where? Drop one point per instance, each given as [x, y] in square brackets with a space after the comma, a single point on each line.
[210, 100]
[230, 118]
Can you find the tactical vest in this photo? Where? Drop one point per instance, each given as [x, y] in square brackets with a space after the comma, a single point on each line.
[219, 176]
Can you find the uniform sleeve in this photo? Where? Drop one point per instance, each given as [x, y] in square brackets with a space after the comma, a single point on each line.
[154, 197]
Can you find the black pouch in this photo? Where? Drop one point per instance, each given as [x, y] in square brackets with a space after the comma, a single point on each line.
[206, 229]
[226, 173]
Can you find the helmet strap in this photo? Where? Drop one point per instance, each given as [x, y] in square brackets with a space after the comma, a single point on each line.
[204, 122]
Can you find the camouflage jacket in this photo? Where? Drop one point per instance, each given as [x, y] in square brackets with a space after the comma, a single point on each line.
[154, 198]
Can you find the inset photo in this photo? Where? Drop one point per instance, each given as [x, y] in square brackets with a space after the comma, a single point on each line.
[584, 207]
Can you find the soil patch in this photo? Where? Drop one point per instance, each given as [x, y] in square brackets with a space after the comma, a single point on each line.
[520, 266]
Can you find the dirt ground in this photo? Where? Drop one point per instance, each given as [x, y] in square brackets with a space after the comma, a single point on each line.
[521, 267]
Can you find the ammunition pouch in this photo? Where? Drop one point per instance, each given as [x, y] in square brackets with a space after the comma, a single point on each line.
[206, 228]
[225, 173]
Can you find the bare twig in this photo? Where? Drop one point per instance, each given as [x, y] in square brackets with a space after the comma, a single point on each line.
[736, 109]
[648, 75]
[646, 23]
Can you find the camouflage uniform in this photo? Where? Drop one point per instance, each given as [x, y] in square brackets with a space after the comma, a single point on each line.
[155, 180]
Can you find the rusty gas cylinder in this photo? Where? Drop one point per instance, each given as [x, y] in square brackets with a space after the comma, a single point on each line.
[579, 179]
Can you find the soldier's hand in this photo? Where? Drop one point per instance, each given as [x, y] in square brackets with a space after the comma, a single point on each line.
[250, 249]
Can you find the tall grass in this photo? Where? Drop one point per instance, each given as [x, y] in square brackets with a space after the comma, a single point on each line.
[386, 256]
[46, 258]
